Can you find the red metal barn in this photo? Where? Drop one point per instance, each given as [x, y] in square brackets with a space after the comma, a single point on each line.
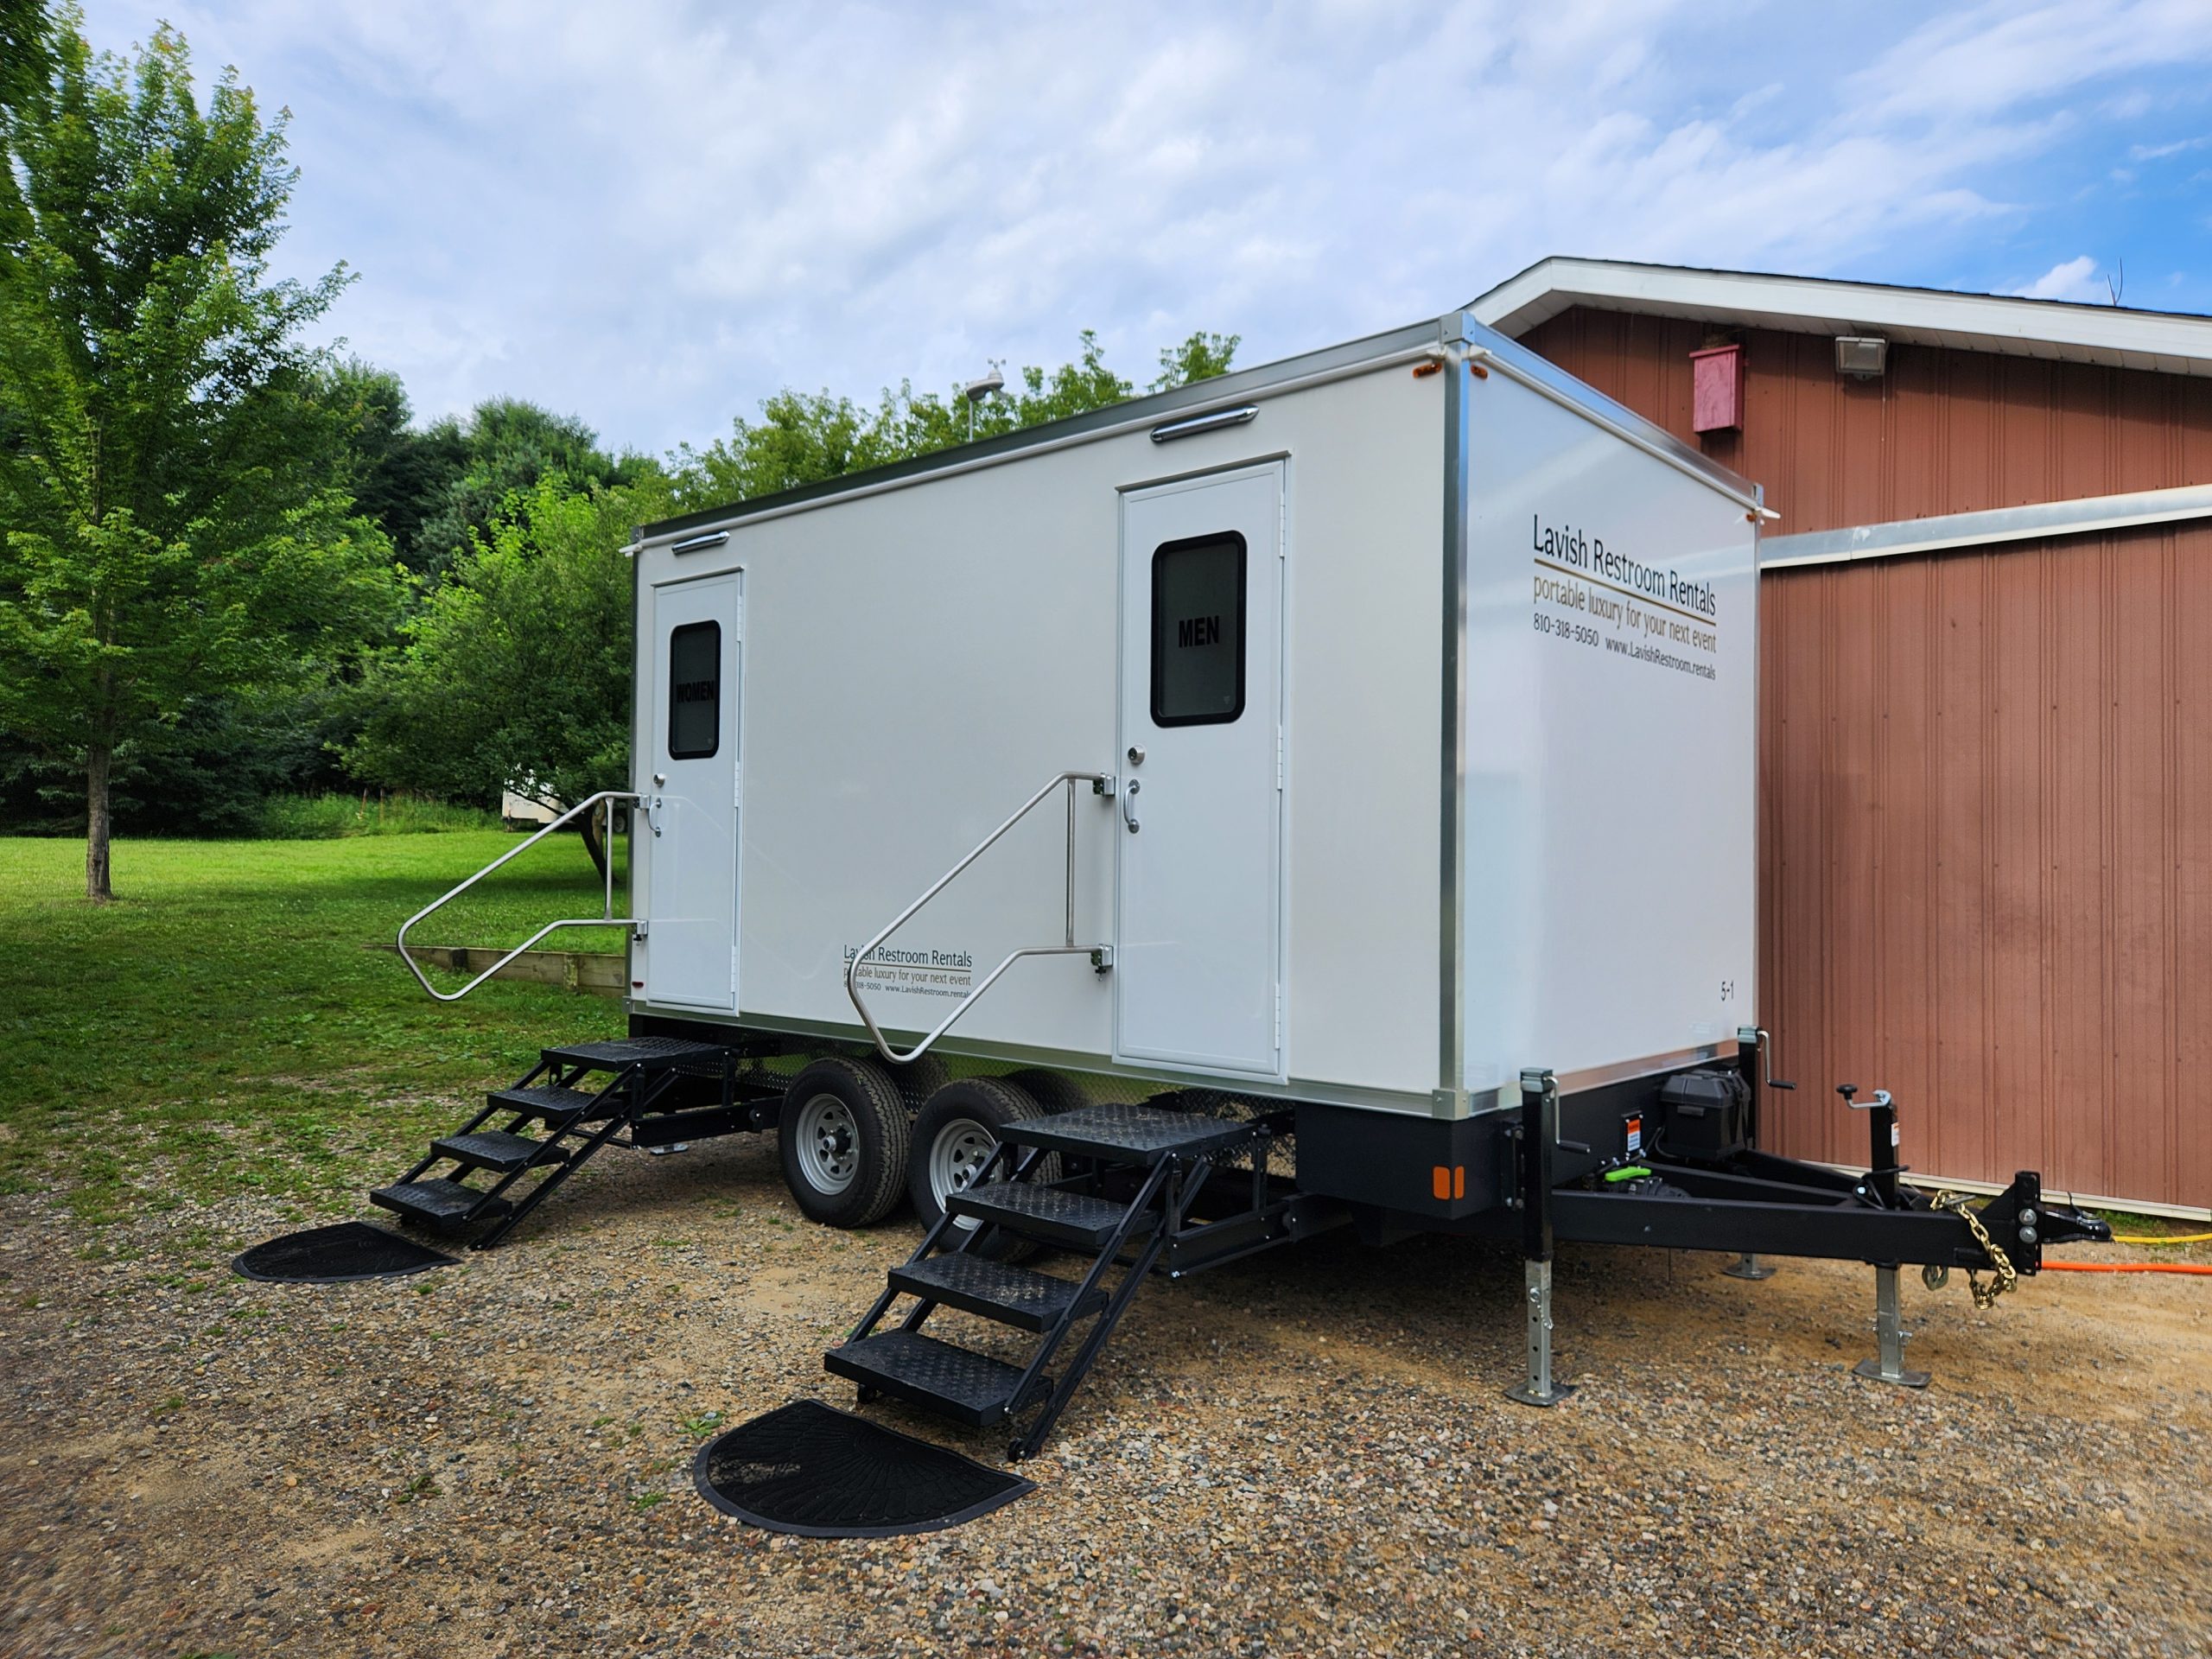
[1986, 659]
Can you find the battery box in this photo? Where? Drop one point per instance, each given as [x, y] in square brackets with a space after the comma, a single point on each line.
[1705, 1116]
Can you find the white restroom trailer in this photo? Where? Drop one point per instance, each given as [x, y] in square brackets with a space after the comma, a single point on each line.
[1321, 794]
[1414, 683]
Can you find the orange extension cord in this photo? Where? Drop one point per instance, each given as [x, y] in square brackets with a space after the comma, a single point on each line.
[2128, 1267]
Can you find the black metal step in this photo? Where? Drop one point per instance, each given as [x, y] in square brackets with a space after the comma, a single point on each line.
[647, 1053]
[1129, 1134]
[1049, 1213]
[440, 1204]
[996, 1290]
[969, 1387]
[553, 1104]
[496, 1149]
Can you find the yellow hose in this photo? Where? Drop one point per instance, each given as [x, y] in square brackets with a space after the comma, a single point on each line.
[2169, 1239]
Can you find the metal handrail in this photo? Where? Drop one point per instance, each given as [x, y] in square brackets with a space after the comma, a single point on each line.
[1101, 783]
[610, 919]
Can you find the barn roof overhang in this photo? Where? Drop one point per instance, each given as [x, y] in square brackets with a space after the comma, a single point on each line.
[2060, 330]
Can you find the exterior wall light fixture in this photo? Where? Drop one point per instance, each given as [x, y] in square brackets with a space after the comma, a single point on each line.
[1863, 357]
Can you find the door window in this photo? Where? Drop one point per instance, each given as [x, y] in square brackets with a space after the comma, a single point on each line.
[694, 691]
[1198, 631]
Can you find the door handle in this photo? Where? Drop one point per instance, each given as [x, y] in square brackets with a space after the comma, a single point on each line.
[1130, 804]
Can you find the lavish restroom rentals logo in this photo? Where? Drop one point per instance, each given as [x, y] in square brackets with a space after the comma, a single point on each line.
[1571, 548]
[1588, 593]
[918, 972]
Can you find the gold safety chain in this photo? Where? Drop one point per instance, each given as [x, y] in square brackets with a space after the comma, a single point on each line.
[1984, 1296]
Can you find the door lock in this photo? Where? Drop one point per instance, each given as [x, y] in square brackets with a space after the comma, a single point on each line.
[1136, 754]
[1130, 804]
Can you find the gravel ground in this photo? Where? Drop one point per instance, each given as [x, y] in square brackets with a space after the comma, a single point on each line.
[1304, 1452]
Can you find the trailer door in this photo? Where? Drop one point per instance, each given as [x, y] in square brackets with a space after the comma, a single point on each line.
[691, 935]
[1197, 951]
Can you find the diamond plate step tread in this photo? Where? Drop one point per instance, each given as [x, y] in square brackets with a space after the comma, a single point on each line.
[1048, 1212]
[496, 1149]
[651, 1054]
[441, 1203]
[1129, 1133]
[969, 1387]
[555, 1104]
[996, 1290]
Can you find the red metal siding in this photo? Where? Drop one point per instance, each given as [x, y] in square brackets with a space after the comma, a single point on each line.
[1986, 858]
[1943, 431]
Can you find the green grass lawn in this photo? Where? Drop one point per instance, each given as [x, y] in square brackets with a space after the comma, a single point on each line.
[219, 1027]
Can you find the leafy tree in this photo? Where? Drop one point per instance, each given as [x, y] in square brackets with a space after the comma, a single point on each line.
[515, 672]
[1199, 357]
[805, 438]
[170, 534]
[399, 476]
[209, 771]
[508, 446]
[26, 55]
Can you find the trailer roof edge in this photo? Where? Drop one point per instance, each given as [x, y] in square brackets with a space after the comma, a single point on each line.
[1539, 374]
[1239, 385]
[1370, 352]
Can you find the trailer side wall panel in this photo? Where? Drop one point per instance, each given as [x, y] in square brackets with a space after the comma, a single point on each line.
[1612, 646]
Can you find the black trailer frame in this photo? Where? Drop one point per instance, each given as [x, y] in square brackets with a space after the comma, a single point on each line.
[1602, 1166]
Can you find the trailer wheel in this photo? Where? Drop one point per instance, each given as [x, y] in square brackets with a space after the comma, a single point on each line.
[843, 1138]
[955, 1137]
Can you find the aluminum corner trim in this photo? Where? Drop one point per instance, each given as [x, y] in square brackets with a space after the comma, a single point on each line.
[1451, 774]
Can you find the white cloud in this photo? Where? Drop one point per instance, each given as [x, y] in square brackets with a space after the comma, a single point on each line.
[2071, 279]
[2159, 152]
[656, 214]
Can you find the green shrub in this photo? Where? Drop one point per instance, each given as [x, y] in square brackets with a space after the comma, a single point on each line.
[327, 817]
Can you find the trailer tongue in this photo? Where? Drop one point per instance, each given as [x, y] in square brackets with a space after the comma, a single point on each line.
[1719, 1193]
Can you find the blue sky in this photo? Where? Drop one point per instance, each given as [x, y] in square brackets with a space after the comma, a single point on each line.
[655, 214]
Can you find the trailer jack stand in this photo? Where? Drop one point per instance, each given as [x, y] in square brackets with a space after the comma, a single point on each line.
[1748, 1266]
[1539, 1389]
[1534, 1138]
[1890, 1336]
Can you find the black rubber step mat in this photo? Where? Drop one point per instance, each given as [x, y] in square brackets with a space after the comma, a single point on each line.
[809, 1469]
[332, 1255]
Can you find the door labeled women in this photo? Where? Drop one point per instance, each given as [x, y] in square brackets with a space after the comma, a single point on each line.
[694, 790]
[1198, 956]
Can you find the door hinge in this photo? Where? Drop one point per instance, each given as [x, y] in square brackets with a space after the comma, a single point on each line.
[1278, 1018]
[736, 785]
[1280, 757]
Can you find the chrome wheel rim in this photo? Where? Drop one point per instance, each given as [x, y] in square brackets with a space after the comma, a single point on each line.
[956, 1157]
[829, 1144]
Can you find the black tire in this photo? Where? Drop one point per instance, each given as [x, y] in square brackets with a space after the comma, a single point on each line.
[917, 1080]
[844, 1138]
[1052, 1091]
[965, 1107]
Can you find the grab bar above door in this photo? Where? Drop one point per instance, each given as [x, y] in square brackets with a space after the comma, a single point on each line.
[1102, 956]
